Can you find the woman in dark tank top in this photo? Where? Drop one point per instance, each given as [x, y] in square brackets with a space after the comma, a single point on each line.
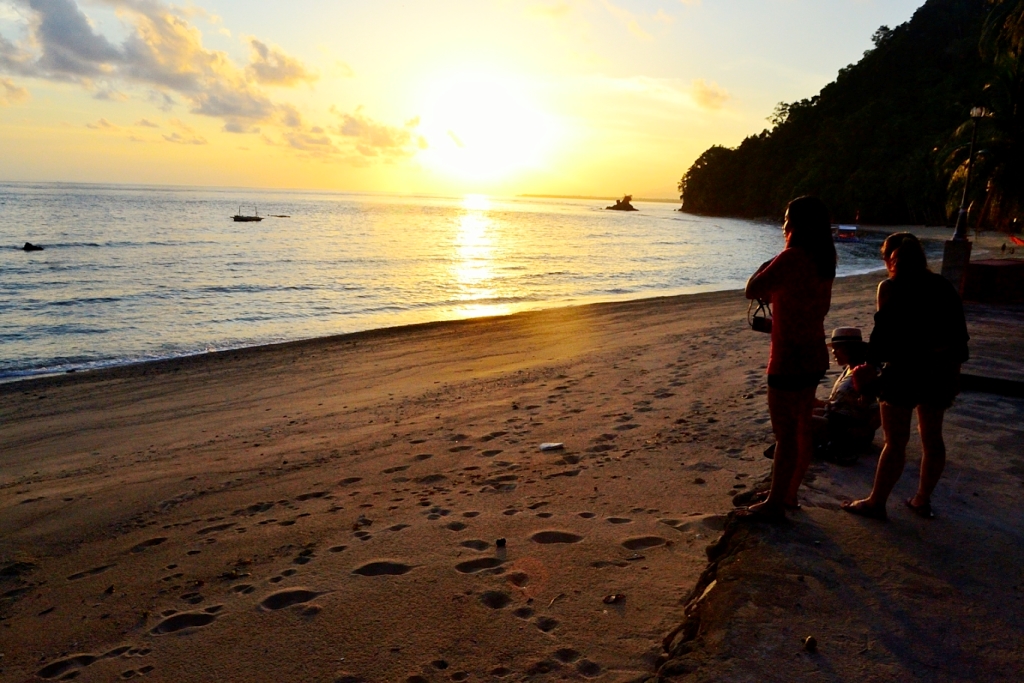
[919, 341]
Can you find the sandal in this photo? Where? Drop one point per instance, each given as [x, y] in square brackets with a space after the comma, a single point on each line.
[862, 509]
[923, 510]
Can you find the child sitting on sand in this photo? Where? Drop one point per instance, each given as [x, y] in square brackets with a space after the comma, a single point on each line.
[846, 423]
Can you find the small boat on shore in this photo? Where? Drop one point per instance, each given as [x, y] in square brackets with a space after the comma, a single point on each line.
[242, 218]
[845, 233]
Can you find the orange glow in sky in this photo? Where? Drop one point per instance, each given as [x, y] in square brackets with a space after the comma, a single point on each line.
[591, 97]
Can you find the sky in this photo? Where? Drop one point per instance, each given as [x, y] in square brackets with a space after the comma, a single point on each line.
[501, 97]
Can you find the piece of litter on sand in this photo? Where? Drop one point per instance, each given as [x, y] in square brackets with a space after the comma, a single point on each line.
[548, 446]
[614, 598]
[557, 597]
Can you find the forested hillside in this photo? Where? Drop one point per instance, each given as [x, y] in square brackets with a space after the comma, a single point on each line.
[885, 139]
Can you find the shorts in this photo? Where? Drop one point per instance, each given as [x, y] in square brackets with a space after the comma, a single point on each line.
[795, 382]
[905, 386]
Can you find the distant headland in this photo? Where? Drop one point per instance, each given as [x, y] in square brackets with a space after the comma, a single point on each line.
[602, 198]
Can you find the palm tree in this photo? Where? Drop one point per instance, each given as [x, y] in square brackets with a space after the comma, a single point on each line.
[999, 164]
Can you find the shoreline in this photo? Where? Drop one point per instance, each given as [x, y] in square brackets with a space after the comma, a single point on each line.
[117, 366]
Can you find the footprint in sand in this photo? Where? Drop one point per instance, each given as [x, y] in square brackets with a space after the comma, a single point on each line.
[587, 515]
[477, 565]
[492, 436]
[392, 470]
[311, 495]
[148, 544]
[422, 456]
[243, 588]
[518, 579]
[183, 620]
[618, 520]
[214, 529]
[288, 597]
[68, 667]
[523, 612]
[382, 568]
[398, 527]
[490, 453]
[545, 666]
[643, 542]
[349, 481]
[548, 537]
[337, 548]
[90, 572]
[475, 544]
[471, 513]
[455, 526]
[495, 599]
[546, 624]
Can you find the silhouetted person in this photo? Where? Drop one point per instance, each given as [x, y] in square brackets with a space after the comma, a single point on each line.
[920, 341]
[798, 284]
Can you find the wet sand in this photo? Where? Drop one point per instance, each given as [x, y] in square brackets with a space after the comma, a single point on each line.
[331, 510]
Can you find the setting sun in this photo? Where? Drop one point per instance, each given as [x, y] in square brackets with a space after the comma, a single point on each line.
[484, 126]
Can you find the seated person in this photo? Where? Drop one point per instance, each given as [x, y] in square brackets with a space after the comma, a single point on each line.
[847, 421]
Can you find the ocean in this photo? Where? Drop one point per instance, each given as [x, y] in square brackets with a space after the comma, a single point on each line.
[135, 273]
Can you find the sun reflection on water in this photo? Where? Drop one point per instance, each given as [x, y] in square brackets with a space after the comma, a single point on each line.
[476, 248]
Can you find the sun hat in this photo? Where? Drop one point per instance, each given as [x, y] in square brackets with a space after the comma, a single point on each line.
[846, 335]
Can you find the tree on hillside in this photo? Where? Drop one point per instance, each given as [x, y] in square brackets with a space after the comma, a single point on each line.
[999, 166]
[873, 142]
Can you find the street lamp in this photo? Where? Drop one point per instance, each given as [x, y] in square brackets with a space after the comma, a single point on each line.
[956, 257]
[977, 113]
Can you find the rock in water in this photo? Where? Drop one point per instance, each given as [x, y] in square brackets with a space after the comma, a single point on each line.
[31, 247]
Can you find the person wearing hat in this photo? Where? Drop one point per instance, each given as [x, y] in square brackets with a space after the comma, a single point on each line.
[848, 420]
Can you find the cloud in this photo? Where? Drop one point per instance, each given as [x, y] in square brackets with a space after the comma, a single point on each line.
[372, 139]
[162, 50]
[103, 124]
[558, 10]
[160, 57]
[628, 19]
[708, 95]
[180, 139]
[111, 95]
[456, 139]
[11, 93]
[270, 66]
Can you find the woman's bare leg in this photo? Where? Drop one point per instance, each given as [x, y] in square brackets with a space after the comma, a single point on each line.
[791, 421]
[804, 405]
[933, 458]
[896, 428]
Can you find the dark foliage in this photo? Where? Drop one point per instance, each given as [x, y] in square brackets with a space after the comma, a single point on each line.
[880, 142]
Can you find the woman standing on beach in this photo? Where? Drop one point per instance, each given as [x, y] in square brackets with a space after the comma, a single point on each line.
[798, 284]
[920, 340]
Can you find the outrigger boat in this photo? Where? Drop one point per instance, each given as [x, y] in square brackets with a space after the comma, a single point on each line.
[241, 218]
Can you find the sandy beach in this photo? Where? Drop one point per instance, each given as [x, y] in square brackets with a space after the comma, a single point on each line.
[376, 507]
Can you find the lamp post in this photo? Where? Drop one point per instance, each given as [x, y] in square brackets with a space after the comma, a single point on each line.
[956, 255]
